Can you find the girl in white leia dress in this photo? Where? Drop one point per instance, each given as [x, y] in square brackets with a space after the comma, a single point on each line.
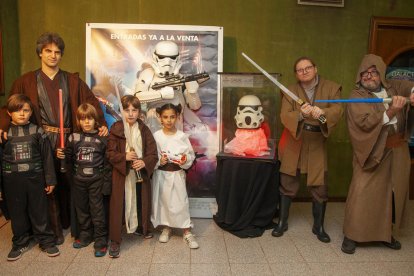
[170, 206]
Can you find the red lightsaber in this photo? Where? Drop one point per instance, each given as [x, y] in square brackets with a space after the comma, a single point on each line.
[61, 130]
[62, 134]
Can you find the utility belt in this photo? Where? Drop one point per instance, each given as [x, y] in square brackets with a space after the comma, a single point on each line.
[55, 129]
[23, 167]
[170, 167]
[395, 141]
[312, 128]
[88, 171]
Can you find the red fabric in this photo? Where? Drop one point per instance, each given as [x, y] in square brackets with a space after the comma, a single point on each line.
[248, 142]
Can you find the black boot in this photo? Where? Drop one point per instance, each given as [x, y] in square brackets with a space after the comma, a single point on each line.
[348, 246]
[282, 225]
[318, 210]
[394, 244]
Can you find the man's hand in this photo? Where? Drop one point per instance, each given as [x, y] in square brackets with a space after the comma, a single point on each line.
[412, 99]
[398, 102]
[317, 112]
[306, 110]
[49, 189]
[103, 131]
[3, 135]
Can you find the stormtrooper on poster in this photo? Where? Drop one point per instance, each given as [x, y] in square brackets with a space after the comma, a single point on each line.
[165, 66]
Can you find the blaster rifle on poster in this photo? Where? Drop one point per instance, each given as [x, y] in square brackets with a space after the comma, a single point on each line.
[174, 81]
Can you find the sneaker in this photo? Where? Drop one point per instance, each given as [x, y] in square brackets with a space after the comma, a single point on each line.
[114, 250]
[165, 235]
[78, 244]
[190, 240]
[52, 251]
[16, 253]
[100, 252]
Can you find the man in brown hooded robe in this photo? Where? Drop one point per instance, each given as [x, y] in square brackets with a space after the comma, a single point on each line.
[379, 133]
[302, 147]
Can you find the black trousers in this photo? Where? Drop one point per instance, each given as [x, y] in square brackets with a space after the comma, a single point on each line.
[90, 212]
[27, 205]
[289, 186]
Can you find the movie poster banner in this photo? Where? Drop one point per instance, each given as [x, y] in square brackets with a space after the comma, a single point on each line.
[116, 54]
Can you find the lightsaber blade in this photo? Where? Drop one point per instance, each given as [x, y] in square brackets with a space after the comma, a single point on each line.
[357, 100]
[61, 131]
[287, 92]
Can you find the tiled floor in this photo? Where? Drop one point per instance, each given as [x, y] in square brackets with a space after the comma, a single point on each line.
[298, 252]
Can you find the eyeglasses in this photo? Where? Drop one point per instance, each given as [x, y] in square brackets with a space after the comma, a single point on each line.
[304, 70]
[373, 73]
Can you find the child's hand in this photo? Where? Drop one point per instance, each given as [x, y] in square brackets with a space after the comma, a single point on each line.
[60, 153]
[49, 189]
[3, 136]
[163, 159]
[130, 156]
[183, 159]
[138, 164]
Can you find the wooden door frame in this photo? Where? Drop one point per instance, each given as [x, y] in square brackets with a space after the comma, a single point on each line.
[380, 22]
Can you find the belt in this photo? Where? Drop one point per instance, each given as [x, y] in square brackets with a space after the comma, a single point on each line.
[88, 171]
[170, 167]
[55, 129]
[22, 167]
[395, 141]
[312, 128]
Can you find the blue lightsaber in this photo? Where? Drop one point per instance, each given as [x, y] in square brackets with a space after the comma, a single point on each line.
[357, 100]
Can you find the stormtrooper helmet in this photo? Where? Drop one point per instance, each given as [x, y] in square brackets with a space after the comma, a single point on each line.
[249, 112]
[166, 59]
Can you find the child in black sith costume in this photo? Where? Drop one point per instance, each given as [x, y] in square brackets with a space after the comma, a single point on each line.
[85, 151]
[28, 175]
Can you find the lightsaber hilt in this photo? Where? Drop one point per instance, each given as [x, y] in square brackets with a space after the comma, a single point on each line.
[137, 172]
[63, 167]
[321, 118]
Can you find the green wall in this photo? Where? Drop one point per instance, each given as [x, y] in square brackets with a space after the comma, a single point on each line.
[10, 37]
[274, 33]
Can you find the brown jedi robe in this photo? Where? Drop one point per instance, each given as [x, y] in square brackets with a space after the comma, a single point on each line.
[377, 170]
[79, 93]
[305, 150]
[117, 157]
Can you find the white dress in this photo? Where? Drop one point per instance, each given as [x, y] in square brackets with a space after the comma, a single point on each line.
[170, 206]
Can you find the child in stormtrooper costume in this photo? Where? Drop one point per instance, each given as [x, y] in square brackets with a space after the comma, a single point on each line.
[166, 63]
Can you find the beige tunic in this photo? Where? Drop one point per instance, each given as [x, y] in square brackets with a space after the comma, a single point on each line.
[378, 170]
[305, 150]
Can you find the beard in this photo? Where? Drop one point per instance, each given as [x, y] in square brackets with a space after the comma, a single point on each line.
[371, 85]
